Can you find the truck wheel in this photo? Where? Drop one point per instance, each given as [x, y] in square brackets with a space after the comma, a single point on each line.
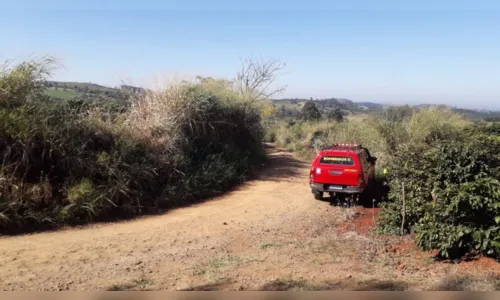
[318, 195]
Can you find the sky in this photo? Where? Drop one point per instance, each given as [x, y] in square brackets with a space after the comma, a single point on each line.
[391, 52]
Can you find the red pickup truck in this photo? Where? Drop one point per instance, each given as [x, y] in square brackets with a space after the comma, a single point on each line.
[342, 168]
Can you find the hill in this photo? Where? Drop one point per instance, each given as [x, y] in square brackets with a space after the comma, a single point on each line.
[289, 107]
[371, 105]
[476, 115]
[472, 114]
[292, 106]
[85, 91]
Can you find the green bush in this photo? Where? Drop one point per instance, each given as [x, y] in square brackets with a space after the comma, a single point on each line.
[78, 161]
[452, 194]
[410, 169]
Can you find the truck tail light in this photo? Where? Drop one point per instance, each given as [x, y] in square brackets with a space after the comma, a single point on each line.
[361, 178]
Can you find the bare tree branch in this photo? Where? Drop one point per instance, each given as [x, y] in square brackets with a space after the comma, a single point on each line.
[256, 78]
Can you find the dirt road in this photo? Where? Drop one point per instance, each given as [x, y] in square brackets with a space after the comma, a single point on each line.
[268, 234]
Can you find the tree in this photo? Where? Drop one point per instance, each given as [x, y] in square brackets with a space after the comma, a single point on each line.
[310, 112]
[336, 115]
[256, 78]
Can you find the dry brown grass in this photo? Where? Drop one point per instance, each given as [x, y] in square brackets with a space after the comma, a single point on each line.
[382, 134]
[469, 283]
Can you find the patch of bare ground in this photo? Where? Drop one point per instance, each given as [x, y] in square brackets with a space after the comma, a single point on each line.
[269, 234]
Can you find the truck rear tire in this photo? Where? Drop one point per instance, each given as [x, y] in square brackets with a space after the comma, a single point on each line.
[318, 195]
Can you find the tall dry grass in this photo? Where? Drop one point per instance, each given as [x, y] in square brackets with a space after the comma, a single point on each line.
[383, 134]
[76, 162]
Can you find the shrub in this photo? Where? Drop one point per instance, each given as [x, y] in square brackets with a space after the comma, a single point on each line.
[411, 170]
[80, 161]
[335, 115]
[452, 195]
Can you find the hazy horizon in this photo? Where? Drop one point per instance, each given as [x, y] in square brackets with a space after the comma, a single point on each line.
[395, 53]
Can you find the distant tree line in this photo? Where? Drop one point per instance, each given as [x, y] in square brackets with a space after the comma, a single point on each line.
[310, 112]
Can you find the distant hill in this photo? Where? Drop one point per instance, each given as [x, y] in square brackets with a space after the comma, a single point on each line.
[292, 106]
[476, 115]
[79, 85]
[472, 114]
[370, 105]
[62, 90]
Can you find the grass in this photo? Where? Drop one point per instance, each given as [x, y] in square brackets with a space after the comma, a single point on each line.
[347, 213]
[429, 261]
[383, 134]
[215, 278]
[212, 268]
[298, 244]
[139, 284]
[62, 94]
[269, 245]
[326, 247]
[81, 85]
[120, 287]
[468, 283]
[199, 272]
[222, 262]
[287, 284]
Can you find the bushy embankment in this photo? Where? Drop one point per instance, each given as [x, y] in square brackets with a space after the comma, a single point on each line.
[451, 194]
[76, 162]
[448, 166]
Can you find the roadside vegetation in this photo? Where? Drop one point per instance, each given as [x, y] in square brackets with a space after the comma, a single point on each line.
[443, 172]
[76, 161]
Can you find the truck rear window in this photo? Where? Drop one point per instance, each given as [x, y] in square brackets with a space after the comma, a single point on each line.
[337, 160]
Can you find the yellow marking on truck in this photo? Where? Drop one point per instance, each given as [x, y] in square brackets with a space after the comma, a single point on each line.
[337, 158]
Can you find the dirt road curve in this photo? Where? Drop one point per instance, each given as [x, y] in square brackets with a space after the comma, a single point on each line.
[269, 229]
[160, 248]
